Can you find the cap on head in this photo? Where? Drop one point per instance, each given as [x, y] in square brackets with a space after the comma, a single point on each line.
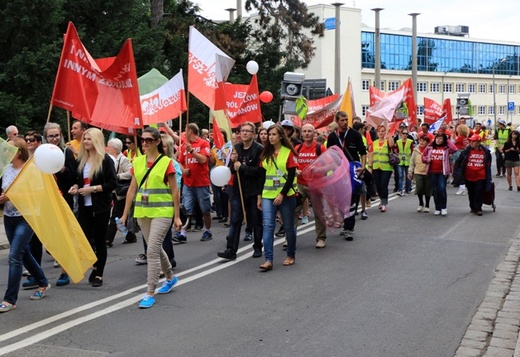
[403, 125]
[501, 121]
[474, 137]
[267, 124]
[287, 123]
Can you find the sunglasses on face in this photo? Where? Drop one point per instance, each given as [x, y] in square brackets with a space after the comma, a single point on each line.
[30, 140]
[149, 140]
[57, 136]
[129, 142]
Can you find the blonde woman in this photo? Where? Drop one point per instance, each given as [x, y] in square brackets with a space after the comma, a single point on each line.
[379, 164]
[96, 180]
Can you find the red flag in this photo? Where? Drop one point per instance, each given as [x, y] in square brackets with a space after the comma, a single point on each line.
[433, 111]
[102, 92]
[243, 103]
[322, 111]
[208, 69]
[218, 138]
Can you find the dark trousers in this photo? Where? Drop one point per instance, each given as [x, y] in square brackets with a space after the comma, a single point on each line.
[95, 225]
[501, 163]
[350, 222]
[475, 192]
[254, 219]
[381, 179]
[440, 196]
[117, 211]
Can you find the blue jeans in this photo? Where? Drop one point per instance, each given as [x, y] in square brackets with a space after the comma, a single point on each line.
[287, 209]
[405, 184]
[19, 235]
[440, 197]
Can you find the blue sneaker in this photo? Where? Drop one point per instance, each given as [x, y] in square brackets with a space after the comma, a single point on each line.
[168, 285]
[63, 280]
[30, 283]
[39, 294]
[147, 302]
[206, 236]
[179, 238]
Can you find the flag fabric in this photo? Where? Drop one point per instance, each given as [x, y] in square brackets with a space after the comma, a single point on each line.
[150, 81]
[165, 103]
[243, 102]
[376, 95]
[7, 153]
[103, 92]
[301, 107]
[322, 111]
[208, 69]
[383, 112]
[218, 138]
[435, 126]
[222, 120]
[38, 199]
[433, 111]
[347, 104]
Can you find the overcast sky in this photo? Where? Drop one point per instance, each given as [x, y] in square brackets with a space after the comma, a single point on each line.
[493, 20]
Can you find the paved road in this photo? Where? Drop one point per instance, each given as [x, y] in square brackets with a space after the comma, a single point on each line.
[408, 285]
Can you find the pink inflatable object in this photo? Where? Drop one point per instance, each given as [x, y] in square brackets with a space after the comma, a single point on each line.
[330, 187]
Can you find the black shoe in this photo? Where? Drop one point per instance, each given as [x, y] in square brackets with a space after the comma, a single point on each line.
[109, 244]
[227, 254]
[179, 238]
[92, 276]
[173, 262]
[280, 233]
[222, 220]
[248, 237]
[216, 218]
[257, 253]
[98, 281]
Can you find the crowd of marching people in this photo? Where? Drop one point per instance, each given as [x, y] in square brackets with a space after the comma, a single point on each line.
[158, 183]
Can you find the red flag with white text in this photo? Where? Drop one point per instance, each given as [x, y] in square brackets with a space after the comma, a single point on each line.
[208, 69]
[165, 103]
[322, 111]
[243, 102]
[433, 111]
[102, 92]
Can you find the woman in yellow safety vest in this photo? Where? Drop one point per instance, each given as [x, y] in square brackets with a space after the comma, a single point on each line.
[280, 160]
[156, 193]
[378, 163]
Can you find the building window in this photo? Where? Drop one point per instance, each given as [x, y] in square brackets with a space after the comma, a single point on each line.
[491, 88]
[512, 89]
[482, 88]
[435, 87]
[420, 110]
[472, 88]
[502, 89]
[481, 110]
[364, 109]
[383, 86]
[491, 110]
[365, 85]
[502, 110]
[393, 85]
[460, 87]
[447, 87]
[422, 87]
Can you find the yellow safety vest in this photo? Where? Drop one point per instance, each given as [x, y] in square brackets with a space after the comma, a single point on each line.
[270, 190]
[160, 202]
[502, 136]
[380, 156]
[404, 152]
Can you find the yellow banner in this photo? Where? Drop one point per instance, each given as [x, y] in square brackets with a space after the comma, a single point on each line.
[347, 103]
[37, 197]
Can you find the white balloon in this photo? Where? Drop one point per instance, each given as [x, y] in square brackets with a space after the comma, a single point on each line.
[220, 175]
[49, 158]
[252, 67]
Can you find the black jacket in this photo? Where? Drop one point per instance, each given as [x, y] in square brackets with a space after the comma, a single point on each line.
[351, 141]
[252, 176]
[101, 201]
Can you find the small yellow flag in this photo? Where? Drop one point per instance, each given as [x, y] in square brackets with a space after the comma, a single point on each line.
[37, 197]
[347, 103]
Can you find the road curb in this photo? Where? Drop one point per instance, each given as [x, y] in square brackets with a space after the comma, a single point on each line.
[494, 328]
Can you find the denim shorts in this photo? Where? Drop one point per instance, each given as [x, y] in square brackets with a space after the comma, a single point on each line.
[201, 194]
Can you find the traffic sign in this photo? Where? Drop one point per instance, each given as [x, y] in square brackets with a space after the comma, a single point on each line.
[511, 106]
[330, 23]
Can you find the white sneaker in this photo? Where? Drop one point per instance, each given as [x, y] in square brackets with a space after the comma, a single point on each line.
[461, 191]
[437, 213]
[426, 209]
[56, 264]
[420, 208]
[444, 212]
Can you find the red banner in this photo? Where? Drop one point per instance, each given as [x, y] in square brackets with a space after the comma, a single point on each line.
[103, 92]
[243, 103]
[433, 111]
[328, 107]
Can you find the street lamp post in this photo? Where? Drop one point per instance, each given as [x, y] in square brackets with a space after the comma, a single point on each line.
[414, 53]
[337, 49]
[377, 59]
[231, 14]
[495, 95]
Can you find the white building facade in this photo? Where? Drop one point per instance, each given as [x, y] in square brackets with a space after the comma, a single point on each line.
[488, 70]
